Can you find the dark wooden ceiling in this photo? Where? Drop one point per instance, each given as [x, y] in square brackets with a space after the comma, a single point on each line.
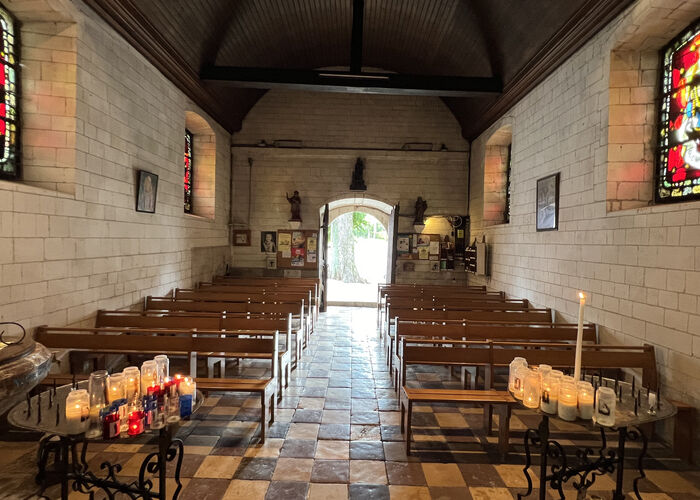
[520, 41]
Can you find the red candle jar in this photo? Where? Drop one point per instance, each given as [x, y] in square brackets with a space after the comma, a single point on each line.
[136, 423]
[110, 425]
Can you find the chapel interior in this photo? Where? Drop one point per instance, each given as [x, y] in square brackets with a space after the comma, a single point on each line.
[350, 249]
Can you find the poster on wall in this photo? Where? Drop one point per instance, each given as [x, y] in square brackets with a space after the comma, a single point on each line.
[403, 245]
[423, 240]
[423, 253]
[434, 248]
[298, 239]
[298, 261]
[311, 244]
[297, 249]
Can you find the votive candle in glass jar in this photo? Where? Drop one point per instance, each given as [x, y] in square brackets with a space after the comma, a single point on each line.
[531, 389]
[605, 402]
[550, 393]
[136, 421]
[511, 373]
[149, 375]
[163, 364]
[132, 380]
[97, 389]
[117, 387]
[567, 404]
[585, 400]
[519, 381]
[77, 411]
[544, 370]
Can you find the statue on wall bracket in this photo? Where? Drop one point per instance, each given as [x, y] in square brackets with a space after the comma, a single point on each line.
[295, 206]
[358, 183]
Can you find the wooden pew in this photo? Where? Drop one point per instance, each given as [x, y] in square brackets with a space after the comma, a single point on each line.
[209, 322]
[94, 340]
[495, 314]
[499, 354]
[485, 331]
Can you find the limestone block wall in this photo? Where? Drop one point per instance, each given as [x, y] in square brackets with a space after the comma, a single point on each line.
[336, 129]
[640, 266]
[64, 253]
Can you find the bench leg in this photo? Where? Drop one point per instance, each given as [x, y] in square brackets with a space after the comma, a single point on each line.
[488, 419]
[409, 410]
[503, 430]
[272, 408]
[403, 415]
[286, 374]
[263, 417]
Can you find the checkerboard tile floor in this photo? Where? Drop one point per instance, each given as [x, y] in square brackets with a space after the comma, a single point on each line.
[336, 436]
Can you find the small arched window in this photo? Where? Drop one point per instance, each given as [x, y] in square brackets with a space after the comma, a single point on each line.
[678, 170]
[189, 171]
[9, 162]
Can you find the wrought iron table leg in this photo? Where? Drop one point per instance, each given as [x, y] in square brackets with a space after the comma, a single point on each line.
[543, 432]
[636, 434]
[618, 493]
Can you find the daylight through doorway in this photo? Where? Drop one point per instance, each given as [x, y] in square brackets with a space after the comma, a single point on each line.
[357, 253]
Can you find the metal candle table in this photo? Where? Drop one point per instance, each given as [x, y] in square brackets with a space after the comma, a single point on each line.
[45, 412]
[589, 462]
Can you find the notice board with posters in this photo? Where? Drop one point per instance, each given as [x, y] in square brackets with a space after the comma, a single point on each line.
[297, 249]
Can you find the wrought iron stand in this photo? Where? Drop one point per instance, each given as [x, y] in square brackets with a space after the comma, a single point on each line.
[69, 467]
[588, 464]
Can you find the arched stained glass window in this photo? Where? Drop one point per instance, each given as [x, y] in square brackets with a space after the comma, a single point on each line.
[9, 164]
[188, 171]
[678, 171]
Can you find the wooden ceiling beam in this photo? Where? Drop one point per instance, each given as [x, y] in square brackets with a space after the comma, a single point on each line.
[343, 81]
[358, 21]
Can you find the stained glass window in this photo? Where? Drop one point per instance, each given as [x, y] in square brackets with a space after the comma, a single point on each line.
[678, 171]
[189, 171]
[9, 165]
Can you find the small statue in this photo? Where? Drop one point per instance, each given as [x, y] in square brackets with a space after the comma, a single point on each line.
[358, 183]
[421, 205]
[295, 202]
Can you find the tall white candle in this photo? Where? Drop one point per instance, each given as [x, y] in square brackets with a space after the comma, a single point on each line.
[579, 337]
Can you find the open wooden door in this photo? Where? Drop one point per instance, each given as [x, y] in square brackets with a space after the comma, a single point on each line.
[323, 257]
[393, 232]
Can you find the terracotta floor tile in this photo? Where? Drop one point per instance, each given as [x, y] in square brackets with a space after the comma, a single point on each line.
[270, 449]
[328, 491]
[335, 450]
[367, 471]
[303, 431]
[330, 471]
[398, 492]
[443, 475]
[287, 490]
[293, 469]
[450, 420]
[671, 482]
[221, 467]
[485, 493]
[336, 417]
[249, 490]
[365, 432]
[405, 473]
[369, 491]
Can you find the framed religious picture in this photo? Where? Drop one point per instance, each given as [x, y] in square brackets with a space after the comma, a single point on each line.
[146, 192]
[403, 245]
[241, 237]
[268, 241]
[547, 210]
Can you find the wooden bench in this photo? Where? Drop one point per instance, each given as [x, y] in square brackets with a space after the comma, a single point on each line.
[301, 325]
[500, 354]
[463, 315]
[173, 345]
[501, 400]
[208, 323]
[484, 331]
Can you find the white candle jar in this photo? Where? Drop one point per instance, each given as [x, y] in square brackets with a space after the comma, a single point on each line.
[132, 382]
[116, 387]
[605, 402]
[550, 393]
[163, 364]
[585, 400]
[521, 372]
[544, 370]
[511, 372]
[531, 389]
[149, 375]
[567, 404]
[77, 411]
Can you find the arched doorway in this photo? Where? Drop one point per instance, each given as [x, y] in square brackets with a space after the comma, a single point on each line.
[356, 240]
[363, 226]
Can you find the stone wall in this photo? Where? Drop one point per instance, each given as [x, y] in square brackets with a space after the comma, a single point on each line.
[96, 112]
[640, 266]
[334, 130]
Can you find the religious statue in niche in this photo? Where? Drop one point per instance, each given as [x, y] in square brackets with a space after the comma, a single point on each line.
[295, 202]
[421, 205]
[358, 183]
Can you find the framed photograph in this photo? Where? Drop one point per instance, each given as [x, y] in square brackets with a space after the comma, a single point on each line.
[423, 240]
[268, 241]
[547, 209]
[271, 261]
[146, 192]
[241, 237]
[403, 245]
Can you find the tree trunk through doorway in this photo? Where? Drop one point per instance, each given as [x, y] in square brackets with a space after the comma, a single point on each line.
[343, 242]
